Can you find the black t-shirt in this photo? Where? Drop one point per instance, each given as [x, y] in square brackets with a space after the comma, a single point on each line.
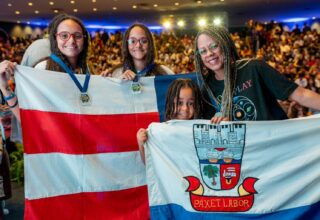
[258, 87]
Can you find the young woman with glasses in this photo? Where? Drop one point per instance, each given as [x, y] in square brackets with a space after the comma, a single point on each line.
[138, 55]
[69, 44]
[69, 41]
[242, 90]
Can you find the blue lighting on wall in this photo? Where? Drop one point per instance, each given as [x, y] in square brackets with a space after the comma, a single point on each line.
[290, 20]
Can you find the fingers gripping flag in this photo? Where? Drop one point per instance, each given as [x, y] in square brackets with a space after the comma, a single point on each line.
[82, 162]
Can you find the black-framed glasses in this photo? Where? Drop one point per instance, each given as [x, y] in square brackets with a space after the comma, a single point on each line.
[212, 48]
[133, 41]
[65, 35]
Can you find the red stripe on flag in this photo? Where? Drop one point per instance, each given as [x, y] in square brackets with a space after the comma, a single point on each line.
[47, 132]
[124, 204]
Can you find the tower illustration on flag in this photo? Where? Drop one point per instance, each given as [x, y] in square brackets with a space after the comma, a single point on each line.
[190, 177]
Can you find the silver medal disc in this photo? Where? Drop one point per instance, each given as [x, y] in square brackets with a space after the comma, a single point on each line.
[85, 99]
[136, 87]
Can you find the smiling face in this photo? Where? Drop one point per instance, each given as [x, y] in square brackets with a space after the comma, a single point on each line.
[73, 46]
[211, 54]
[138, 44]
[185, 104]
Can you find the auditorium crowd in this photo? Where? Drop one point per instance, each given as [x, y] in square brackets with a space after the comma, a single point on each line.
[294, 53]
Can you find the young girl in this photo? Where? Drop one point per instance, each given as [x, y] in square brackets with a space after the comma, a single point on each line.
[183, 102]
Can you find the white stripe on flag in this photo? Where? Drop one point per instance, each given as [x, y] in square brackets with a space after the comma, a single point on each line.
[68, 174]
[41, 97]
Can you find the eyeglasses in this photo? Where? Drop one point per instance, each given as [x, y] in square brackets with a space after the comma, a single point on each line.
[133, 41]
[212, 48]
[65, 35]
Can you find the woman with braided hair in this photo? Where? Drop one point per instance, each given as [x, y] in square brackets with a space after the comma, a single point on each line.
[238, 90]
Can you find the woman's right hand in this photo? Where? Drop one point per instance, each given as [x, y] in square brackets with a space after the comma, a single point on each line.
[6, 71]
[128, 75]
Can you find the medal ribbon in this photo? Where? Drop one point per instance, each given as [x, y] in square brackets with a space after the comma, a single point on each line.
[84, 88]
[143, 72]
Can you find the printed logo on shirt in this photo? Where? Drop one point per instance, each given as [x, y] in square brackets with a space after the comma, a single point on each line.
[243, 109]
[243, 87]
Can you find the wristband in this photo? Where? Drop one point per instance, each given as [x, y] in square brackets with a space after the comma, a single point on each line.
[14, 105]
[11, 96]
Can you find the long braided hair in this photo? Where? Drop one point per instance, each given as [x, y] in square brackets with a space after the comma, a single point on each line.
[82, 59]
[230, 54]
[151, 54]
[173, 98]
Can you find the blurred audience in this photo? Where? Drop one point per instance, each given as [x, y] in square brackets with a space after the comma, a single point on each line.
[294, 53]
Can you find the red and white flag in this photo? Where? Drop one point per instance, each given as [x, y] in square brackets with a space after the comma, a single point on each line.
[82, 162]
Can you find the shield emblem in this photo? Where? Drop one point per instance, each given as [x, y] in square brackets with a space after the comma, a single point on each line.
[219, 150]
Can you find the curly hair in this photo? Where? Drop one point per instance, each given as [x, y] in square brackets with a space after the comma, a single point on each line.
[151, 54]
[82, 59]
[223, 38]
[174, 93]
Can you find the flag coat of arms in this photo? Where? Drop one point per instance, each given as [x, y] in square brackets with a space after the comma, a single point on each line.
[247, 170]
[82, 162]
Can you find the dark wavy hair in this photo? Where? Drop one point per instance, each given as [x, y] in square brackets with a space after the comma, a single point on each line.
[225, 42]
[151, 54]
[173, 97]
[82, 59]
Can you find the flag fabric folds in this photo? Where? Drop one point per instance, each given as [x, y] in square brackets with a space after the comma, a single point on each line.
[82, 162]
[249, 170]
